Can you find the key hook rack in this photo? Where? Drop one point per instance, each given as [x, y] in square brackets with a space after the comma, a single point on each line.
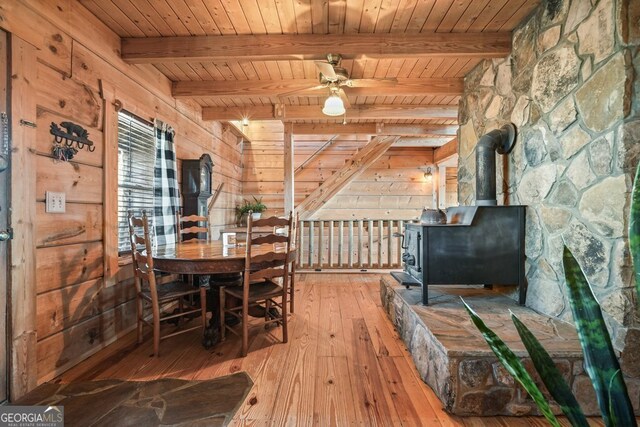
[71, 134]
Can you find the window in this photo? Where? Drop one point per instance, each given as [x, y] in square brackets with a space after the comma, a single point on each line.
[136, 160]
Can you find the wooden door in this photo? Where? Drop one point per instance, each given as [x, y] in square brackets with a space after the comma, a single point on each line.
[5, 233]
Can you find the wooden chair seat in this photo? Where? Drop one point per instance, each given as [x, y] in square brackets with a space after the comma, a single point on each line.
[257, 291]
[171, 291]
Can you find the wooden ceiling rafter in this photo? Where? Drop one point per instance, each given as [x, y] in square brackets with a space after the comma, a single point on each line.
[314, 112]
[281, 47]
[305, 88]
[381, 129]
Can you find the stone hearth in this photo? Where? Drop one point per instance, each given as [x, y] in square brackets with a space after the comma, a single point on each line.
[453, 358]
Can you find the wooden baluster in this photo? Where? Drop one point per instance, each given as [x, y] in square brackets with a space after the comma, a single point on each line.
[301, 243]
[350, 255]
[320, 244]
[399, 254]
[311, 246]
[330, 262]
[390, 263]
[380, 240]
[340, 246]
[360, 243]
[370, 254]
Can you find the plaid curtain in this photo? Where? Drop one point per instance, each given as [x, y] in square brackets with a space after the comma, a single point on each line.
[167, 196]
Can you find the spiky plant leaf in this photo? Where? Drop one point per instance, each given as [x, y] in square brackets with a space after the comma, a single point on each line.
[600, 360]
[634, 229]
[550, 375]
[513, 365]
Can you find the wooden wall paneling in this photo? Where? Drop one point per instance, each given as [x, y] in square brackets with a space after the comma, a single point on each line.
[332, 185]
[45, 139]
[63, 308]
[81, 222]
[22, 296]
[63, 350]
[76, 101]
[53, 45]
[80, 183]
[61, 266]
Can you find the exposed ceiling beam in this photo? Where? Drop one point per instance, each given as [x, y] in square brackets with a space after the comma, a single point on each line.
[301, 87]
[432, 142]
[374, 129]
[446, 151]
[314, 112]
[313, 46]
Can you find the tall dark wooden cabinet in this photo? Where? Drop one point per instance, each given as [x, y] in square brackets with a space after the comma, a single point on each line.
[196, 186]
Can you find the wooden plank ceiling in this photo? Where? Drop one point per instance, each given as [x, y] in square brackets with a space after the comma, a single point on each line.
[239, 56]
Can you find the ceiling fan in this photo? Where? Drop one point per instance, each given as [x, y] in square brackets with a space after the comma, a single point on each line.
[335, 78]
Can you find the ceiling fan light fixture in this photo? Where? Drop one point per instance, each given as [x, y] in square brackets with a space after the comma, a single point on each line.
[333, 106]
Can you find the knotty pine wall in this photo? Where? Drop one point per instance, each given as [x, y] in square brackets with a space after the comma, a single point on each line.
[394, 187]
[76, 313]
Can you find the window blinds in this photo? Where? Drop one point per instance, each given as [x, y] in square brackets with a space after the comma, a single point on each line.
[136, 160]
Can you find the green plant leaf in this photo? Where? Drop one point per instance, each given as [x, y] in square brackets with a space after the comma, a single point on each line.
[634, 229]
[550, 375]
[513, 365]
[600, 361]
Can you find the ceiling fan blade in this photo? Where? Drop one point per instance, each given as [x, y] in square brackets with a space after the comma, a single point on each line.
[345, 99]
[326, 69]
[298, 91]
[373, 82]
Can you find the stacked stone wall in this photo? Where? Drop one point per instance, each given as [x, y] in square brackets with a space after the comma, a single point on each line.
[571, 87]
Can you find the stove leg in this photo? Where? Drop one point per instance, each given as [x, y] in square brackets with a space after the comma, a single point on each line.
[425, 294]
[522, 291]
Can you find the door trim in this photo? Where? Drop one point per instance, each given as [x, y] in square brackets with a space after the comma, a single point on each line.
[23, 368]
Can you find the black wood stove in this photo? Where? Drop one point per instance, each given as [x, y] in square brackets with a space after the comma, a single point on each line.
[478, 245]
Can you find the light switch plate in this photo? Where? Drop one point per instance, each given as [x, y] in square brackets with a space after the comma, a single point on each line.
[55, 202]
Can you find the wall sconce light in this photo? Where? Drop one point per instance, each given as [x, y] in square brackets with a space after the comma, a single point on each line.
[245, 121]
[428, 174]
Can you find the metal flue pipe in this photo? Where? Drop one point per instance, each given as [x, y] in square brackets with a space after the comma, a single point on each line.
[500, 141]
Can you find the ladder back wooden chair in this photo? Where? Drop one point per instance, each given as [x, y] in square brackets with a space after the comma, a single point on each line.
[189, 228]
[190, 225]
[154, 294]
[262, 269]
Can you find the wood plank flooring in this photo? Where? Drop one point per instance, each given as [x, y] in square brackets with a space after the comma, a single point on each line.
[344, 364]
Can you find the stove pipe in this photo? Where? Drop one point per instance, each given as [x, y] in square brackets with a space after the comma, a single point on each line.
[498, 140]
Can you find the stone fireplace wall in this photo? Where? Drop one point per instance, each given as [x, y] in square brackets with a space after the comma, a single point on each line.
[571, 88]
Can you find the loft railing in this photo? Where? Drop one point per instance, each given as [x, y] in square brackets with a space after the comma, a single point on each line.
[349, 244]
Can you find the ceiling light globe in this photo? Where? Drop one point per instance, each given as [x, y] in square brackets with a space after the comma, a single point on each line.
[333, 106]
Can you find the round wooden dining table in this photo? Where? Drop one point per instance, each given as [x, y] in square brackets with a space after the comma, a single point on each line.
[224, 264]
[211, 257]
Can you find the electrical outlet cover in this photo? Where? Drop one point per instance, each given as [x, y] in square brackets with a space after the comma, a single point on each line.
[55, 202]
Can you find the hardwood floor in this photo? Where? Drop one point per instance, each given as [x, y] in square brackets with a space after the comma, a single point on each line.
[344, 364]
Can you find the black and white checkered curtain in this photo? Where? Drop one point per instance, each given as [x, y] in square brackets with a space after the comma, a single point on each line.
[167, 196]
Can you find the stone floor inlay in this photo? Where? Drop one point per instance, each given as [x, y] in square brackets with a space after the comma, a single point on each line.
[163, 402]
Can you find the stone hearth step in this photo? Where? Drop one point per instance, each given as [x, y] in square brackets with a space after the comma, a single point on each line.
[454, 360]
